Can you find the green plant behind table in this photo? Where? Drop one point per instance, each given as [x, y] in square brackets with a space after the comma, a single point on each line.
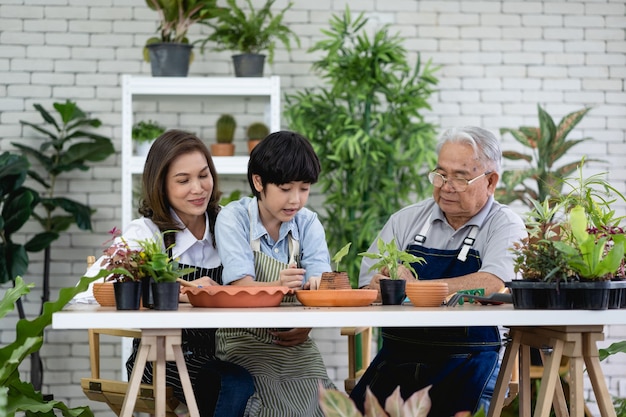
[147, 131]
[367, 124]
[390, 257]
[250, 31]
[547, 144]
[68, 143]
[23, 396]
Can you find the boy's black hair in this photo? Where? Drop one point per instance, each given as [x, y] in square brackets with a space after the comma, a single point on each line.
[283, 157]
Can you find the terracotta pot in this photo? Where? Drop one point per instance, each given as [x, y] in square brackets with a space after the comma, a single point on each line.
[335, 281]
[104, 294]
[251, 144]
[222, 149]
[426, 293]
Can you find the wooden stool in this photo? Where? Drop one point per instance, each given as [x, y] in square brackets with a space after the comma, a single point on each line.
[578, 343]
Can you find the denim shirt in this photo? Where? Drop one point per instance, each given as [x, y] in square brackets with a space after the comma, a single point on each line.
[238, 223]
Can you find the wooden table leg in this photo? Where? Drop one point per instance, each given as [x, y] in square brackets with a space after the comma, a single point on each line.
[600, 389]
[135, 381]
[549, 379]
[504, 376]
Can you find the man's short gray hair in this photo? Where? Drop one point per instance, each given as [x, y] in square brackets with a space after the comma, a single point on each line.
[485, 144]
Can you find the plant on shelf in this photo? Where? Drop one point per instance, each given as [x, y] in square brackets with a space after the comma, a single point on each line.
[547, 144]
[144, 133]
[225, 135]
[376, 144]
[170, 52]
[250, 32]
[256, 132]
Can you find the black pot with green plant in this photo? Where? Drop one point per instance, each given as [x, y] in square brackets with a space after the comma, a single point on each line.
[170, 53]
[547, 144]
[367, 120]
[250, 32]
[68, 144]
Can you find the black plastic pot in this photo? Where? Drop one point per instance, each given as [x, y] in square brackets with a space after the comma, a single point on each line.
[147, 300]
[165, 295]
[392, 291]
[249, 65]
[587, 295]
[127, 295]
[168, 59]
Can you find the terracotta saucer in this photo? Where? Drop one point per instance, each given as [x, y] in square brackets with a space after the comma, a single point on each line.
[235, 296]
[336, 298]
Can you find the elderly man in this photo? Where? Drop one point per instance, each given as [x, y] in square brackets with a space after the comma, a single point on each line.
[464, 236]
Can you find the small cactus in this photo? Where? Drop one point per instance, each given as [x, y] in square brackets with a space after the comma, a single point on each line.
[226, 126]
[257, 130]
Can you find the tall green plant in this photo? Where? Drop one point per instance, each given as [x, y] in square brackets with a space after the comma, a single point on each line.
[368, 124]
[547, 143]
[66, 147]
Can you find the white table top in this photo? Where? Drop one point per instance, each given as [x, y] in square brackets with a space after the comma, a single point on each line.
[94, 316]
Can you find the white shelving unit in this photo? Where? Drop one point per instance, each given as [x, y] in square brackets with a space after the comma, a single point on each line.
[133, 87]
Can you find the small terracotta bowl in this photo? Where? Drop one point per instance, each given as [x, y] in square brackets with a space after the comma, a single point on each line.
[426, 293]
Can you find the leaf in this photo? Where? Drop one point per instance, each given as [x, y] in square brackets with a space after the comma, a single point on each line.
[336, 404]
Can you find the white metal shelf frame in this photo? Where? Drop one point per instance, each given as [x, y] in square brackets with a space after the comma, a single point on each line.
[133, 86]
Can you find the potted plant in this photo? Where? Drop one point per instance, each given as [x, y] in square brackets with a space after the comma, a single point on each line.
[336, 280]
[255, 133]
[547, 144]
[144, 134]
[390, 257]
[225, 135]
[250, 32]
[169, 53]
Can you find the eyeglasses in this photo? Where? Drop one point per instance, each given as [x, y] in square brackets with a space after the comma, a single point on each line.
[458, 184]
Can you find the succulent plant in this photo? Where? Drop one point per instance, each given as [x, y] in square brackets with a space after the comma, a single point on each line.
[257, 131]
[226, 126]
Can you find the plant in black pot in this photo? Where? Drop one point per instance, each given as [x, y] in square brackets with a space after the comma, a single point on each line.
[250, 32]
[170, 53]
[390, 258]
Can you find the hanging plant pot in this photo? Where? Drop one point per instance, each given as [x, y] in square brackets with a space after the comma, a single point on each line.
[165, 295]
[168, 59]
[392, 291]
[249, 65]
[127, 295]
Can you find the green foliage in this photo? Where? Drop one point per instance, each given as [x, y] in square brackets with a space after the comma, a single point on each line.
[16, 207]
[177, 16]
[21, 396]
[157, 263]
[147, 131]
[341, 253]
[368, 125]
[547, 143]
[250, 33]
[225, 128]
[391, 257]
[257, 130]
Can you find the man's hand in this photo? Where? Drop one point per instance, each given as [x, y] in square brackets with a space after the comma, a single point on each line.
[374, 284]
[291, 337]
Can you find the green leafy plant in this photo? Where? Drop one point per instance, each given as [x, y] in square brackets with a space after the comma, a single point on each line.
[68, 144]
[547, 143]
[368, 123]
[225, 128]
[250, 31]
[147, 131]
[390, 257]
[341, 253]
[257, 131]
[157, 263]
[22, 396]
[177, 16]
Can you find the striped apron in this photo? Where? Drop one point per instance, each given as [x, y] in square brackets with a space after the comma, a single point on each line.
[286, 379]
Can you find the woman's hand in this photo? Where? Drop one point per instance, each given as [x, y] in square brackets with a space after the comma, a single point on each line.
[292, 277]
[200, 282]
[291, 337]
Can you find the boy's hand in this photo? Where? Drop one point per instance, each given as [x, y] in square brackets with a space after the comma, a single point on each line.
[313, 283]
[292, 277]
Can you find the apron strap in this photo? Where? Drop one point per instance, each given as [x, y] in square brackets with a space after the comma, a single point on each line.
[468, 242]
[421, 237]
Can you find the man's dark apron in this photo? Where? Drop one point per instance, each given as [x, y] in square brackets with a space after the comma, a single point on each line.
[457, 361]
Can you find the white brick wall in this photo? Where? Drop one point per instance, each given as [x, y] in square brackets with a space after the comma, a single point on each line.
[499, 60]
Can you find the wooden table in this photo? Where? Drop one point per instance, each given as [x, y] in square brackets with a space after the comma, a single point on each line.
[569, 332]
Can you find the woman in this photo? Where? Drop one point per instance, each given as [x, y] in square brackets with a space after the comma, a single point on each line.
[180, 193]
